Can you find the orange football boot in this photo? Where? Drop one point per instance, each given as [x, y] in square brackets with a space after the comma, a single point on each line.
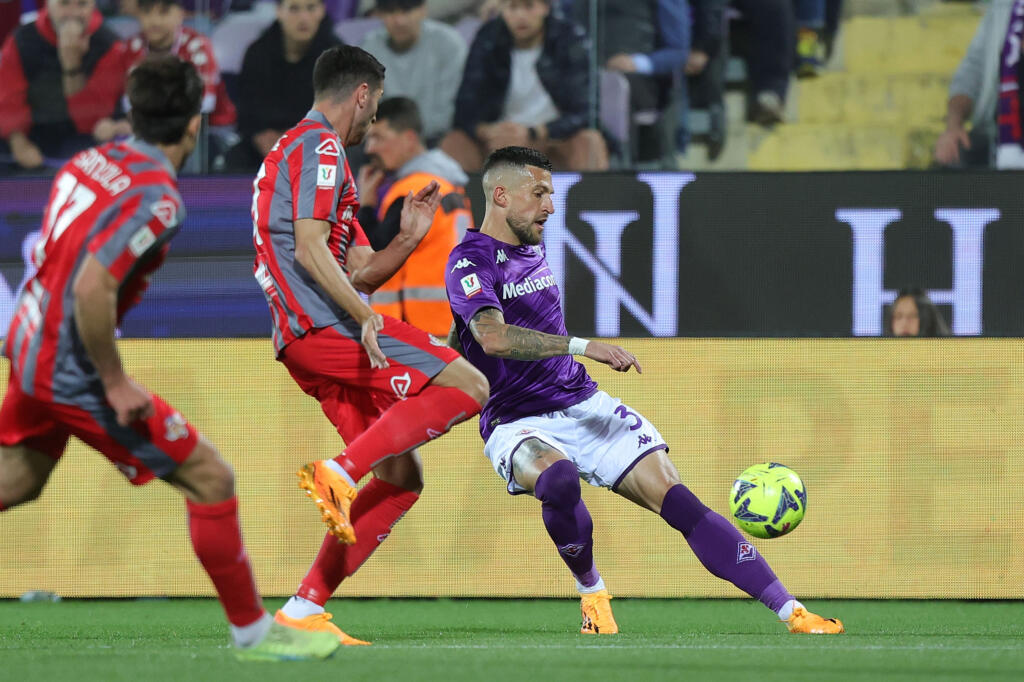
[803, 621]
[597, 614]
[320, 622]
[332, 495]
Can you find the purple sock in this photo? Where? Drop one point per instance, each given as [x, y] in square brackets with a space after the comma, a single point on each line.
[567, 519]
[721, 548]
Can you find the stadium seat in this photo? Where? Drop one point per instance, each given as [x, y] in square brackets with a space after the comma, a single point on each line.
[614, 110]
[353, 31]
[234, 34]
[467, 27]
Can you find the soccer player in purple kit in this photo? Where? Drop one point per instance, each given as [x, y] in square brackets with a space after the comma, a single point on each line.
[546, 424]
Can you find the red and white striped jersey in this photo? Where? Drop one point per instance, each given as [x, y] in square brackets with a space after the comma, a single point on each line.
[118, 202]
[305, 175]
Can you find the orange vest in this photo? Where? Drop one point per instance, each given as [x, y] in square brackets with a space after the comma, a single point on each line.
[416, 293]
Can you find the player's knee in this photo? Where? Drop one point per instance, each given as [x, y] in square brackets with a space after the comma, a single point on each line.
[404, 471]
[12, 496]
[205, 476]
[559, 484]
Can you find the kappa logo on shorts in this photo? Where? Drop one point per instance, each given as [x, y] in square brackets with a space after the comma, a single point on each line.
[643, 440]
[400, 385]
[745, 552]
[175, 428]
[329, 147]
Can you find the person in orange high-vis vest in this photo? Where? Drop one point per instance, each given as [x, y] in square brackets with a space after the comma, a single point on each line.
[416, 293]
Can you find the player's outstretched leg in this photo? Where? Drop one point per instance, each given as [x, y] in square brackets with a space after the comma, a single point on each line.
[555, 481]
[453, 396]
[654, 483]
[208, 484]
[380, 504]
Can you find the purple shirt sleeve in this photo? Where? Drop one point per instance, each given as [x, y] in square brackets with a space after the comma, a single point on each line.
[470, 284]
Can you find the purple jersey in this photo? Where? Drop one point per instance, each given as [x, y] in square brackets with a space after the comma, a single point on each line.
[483, 272]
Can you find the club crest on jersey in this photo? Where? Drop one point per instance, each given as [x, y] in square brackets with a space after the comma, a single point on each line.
[326, 175]
[745, 552]
[165, 211]
[501, 257]
[346, 216]
[400, 385]
[329, 147]
[175, 428]
[463, 263]
[471, 285]
[141, 240]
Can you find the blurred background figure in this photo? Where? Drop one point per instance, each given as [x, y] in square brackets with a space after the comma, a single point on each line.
[914, 314]
[986, 91]
[61, 78]
[423, 58]
[527, 83]
[275, 86]
[399, 163]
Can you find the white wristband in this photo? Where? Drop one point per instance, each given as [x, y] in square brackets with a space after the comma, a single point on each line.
[577, 346]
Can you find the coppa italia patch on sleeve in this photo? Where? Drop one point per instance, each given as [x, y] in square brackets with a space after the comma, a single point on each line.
[470, 285]
[326, 175]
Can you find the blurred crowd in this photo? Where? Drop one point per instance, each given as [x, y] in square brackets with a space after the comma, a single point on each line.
[592, 83]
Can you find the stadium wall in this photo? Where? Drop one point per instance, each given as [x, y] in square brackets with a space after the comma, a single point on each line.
[656, 254]
[911, 451]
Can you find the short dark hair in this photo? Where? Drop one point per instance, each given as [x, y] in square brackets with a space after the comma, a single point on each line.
[165, 93]
[401, 113]
[930, 320]
[520, 157]
[146, 5]
[342, 69]
[398, 5]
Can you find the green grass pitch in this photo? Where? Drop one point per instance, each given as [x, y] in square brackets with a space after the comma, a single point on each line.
[453, 640]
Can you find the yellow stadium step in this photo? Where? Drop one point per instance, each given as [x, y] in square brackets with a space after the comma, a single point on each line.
[873, 99]
[843, 147]
[933, 42]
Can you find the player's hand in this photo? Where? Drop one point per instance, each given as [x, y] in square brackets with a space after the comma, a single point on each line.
[368, 183]
[130, 401]
[373, 324]
[104, 130]
[615, 357]
[947, 147]
[418, 211]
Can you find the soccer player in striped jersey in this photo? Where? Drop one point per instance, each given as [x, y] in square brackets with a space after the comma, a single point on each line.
[111, 215]
[547, 424]
[385, 385]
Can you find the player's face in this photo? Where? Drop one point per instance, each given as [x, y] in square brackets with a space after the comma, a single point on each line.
[300, 19]
[364, 117]
[160, 23]
[530, 205]
[905, 319]
[76, 10]
[403, 26]
[525, 18]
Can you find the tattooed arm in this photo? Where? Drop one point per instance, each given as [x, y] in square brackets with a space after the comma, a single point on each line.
[503, 340]
[453, 340]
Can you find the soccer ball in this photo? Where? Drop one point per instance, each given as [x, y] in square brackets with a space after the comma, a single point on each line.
[768, 500]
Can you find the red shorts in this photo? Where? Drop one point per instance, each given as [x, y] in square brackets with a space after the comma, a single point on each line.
[335, 369]
[146, 449]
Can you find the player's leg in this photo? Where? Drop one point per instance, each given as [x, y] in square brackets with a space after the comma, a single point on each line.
[654, 483]
[165, 445]
[23, 473]
[529, 455]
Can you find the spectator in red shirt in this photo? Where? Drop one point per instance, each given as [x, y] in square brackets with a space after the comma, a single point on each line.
[62, 75]
[163, 32]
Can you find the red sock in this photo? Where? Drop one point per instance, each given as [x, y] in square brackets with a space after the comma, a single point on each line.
[376, 509]
[217, 540]
[406, 424]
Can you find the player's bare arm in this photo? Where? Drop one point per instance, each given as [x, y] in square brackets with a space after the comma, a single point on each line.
[499, 339]
[95, 291]
[312, 252]
[370, 269]
[453, 340]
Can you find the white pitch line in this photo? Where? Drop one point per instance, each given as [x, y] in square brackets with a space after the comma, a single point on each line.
[829, 647]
